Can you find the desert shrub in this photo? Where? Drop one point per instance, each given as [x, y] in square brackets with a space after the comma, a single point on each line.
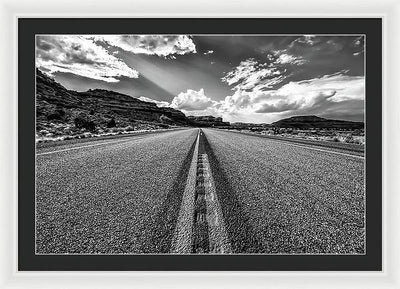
[58, 114]
[43, 132]
[162, 125]
[165, 119]
[129, 128]
[82, 121]
[111, 123]
[349, 139]
[87, 134]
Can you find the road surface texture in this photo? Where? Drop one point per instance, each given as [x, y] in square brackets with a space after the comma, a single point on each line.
[191, 191]
[116, 196]
[283, 198]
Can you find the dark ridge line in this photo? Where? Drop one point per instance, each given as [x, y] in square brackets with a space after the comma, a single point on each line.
[240, 233]
[166, 219]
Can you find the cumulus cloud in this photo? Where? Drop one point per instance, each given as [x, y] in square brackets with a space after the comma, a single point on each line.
[208, 52]
[346, 87]
[157, 102]
[278, 106]
[323, 96]
[298, 96]
[81, 56]
[160, 45]
[192, 100]
[259, 87]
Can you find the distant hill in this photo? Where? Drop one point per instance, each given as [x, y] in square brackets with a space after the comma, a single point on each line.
[94, 109]
[207, 121]
[312, 121]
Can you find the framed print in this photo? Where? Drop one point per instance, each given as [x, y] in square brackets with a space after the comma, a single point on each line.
[200, 144]
[214, 145]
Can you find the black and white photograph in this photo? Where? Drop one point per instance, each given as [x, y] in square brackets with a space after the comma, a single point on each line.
[211, 144]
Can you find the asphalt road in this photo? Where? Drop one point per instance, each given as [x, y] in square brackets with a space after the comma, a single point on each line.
[124, 195]
[109, 196]
[288, 198]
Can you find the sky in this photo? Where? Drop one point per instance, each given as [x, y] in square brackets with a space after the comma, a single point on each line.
[256, 79]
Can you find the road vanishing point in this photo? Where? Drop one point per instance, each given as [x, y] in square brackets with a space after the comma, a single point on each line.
[199, 191]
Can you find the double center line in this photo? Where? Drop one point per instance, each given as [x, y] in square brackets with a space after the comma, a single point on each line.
[200, 227]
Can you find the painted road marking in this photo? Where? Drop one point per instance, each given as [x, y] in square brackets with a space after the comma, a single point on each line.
[87, 146]
[200, 227]
[182, 239]
[200, 242]
[218, 237]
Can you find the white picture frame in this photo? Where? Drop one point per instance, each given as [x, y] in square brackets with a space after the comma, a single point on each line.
[389, 10]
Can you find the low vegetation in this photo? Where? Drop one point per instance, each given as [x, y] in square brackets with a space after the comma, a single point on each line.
[85, 126]
[356, 136]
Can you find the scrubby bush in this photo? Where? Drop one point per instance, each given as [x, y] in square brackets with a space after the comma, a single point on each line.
[129, 128]
[359, 140]
[43, 132]
[165, 119]
[58, 114]
[163, 125]
[82, 121]
[87, 134]
[111, 123]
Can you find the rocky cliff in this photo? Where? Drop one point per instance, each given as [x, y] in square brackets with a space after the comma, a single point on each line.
[96, 109]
